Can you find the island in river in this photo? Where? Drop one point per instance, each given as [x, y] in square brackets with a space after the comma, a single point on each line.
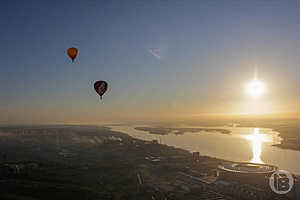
[288, 128]
[89, 162]
[179, 131]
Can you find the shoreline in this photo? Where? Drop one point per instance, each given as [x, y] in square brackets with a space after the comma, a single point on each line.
[179, 131]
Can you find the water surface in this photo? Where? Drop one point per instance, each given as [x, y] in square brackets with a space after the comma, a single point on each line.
[243, 144]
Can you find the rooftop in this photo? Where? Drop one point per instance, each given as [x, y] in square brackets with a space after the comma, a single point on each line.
[248, 168]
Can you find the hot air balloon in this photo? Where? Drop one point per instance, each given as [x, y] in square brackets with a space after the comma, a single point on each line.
[73, 53]
[100, 87]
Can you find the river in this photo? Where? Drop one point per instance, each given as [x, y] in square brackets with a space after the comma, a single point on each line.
[243, 144]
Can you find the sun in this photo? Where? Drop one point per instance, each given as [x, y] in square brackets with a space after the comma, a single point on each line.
[256, 88]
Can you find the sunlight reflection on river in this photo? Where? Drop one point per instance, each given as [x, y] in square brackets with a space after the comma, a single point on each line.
[243, 144]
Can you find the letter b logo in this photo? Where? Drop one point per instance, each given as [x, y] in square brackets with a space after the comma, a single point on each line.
[281, 182]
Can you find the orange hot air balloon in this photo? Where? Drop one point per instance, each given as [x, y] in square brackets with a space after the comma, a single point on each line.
[73, 53]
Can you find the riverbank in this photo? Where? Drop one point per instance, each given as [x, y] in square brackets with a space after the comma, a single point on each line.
[180, 131]
[82, 162]
[288, 129]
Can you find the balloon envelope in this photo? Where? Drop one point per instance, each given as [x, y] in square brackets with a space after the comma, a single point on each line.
[73, 53]
[100, 87]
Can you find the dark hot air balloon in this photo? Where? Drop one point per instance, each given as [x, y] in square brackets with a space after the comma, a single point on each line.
[100, 87]
[73, 53]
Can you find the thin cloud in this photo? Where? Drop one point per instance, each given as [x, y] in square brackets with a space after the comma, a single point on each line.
[155, 53]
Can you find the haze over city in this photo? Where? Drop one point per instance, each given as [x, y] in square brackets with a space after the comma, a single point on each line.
[160, 100]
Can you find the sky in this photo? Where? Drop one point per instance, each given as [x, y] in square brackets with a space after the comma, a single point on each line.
[161, 59]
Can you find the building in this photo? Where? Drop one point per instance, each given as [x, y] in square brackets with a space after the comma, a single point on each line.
[196, 156]
[154, 141]
[247, 173]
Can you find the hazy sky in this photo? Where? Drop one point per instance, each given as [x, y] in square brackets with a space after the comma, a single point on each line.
[161, 59]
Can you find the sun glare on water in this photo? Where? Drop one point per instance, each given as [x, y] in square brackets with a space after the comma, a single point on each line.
[257, 140]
